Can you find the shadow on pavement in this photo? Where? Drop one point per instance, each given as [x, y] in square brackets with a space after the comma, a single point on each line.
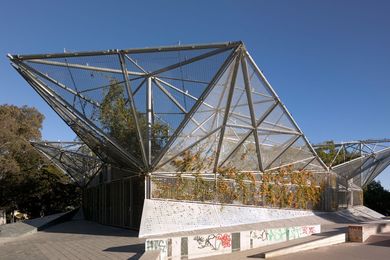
[379, 240]
[139, 249]
[90, 228]
[127, 249]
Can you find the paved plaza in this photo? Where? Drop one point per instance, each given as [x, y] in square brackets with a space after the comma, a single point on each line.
[81, 239]
[76, 240]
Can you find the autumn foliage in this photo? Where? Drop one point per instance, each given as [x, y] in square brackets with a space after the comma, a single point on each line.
[282, 188]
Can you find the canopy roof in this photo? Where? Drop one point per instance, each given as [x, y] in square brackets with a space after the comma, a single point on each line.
[75, 159]
[360, 161]
[143, 108]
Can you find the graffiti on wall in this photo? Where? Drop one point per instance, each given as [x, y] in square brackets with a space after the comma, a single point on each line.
[157, 244]
[210, 244]
[283, 234]
[221, 243]
[214, 241]
[259, 234]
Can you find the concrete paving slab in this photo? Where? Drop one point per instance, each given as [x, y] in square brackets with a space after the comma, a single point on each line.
[76, 240]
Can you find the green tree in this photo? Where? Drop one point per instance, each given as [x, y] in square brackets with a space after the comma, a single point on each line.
[377, 198]
[27, 182]
[117, 120]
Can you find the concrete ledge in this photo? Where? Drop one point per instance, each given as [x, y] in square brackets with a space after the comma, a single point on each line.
[316, 243]
[161, 218]
[360, 233]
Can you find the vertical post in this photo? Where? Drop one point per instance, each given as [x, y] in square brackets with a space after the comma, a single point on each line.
[350, 193]
[148, 190]
[150, 118]
[149, 107]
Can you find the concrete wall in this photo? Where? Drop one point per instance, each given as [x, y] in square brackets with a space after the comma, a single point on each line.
[224, 243]
[162, 217]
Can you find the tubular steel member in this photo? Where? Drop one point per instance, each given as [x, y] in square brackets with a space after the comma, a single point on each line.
[143, 108]
[360, 160]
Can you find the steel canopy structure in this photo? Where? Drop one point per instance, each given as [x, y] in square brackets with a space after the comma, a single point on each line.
[142, 108]
[359, 162]
[138, 111]
[75, 159]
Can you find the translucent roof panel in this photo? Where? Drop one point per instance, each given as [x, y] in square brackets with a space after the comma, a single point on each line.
[142, 109]
[359, 161]
[75, 159]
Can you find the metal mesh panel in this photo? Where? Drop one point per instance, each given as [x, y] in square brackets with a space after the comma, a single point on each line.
[245, 157]
[153, 61]
[232, 140]
[203, 151]
[206, 119]
[216, 190]
[147, 109]
[350, 168]
[73, 158]
[279, 121]
[104, 89]
[297, 152]
[239, 113]
[272, 145]
[365, 168]
[360, 160]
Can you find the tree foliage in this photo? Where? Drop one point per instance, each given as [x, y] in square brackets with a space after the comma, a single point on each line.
[330, 156]
[17, 127]
[27, 182]
[117, 120]
[282, 188]
[377, 198]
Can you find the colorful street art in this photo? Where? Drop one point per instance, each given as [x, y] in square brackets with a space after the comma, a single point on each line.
[214, 241]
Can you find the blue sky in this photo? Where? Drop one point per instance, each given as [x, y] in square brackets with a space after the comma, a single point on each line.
[329, 61]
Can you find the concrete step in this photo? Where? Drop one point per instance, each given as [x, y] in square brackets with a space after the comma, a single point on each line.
[298, 245]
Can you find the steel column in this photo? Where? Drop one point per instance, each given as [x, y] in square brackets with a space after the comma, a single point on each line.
[134, 110]
[150, 118]
[228, 104]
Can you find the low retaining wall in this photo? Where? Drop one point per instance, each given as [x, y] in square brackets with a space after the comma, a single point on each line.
[360, 233]
[223, 243]
[161, 217]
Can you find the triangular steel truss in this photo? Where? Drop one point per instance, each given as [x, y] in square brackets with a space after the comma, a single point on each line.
[361, 161]
[75, 159]
[142, 108]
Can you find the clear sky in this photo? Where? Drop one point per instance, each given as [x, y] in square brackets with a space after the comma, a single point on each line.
[329, 61]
